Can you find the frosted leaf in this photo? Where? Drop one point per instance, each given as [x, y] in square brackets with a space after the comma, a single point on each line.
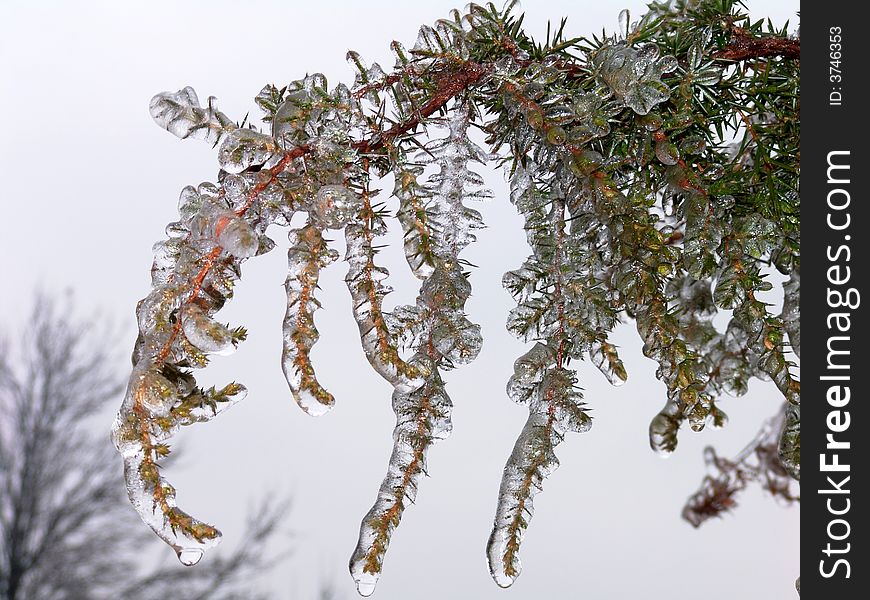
[335, 205]
[245, 148]
[308, 253]
[205, 333]
[634, 76]
[181, 114]
[189, 203]
[531, 461]
[703, 236]
[694, 144]
[291, 117]
[558, 395]
[418, 221]
[155, 311]
[236, 236]
[200, 406]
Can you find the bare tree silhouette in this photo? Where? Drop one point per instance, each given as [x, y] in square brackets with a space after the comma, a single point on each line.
[66, 529]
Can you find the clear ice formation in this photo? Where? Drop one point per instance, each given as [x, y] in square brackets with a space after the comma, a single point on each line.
[440, 335]
[193, 274]
[540, 380]
[181, 115]
[307, 255]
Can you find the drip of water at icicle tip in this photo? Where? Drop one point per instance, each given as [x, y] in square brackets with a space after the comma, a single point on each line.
[366, 585]
[189, 556]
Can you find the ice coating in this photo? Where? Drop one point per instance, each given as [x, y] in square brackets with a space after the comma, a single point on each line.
[599, 254]
[531, 461]
[540, 380]
[634, 75]
[181, 114]
[245, 148]
[307, 255]
[193, 274]
[335, 205]
[441, 335]
[236, 236]
[415, 216]
[204, 332]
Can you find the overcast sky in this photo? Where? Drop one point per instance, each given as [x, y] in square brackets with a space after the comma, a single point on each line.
[88, 184]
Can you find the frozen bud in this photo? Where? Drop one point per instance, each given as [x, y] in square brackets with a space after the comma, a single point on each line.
[235, 188]
[667, 152]
[204, 332]
[556, 136]
[154, 392]
[335, 206]
[535, 117]
[292, 115]
[236, 236]
[244, 148]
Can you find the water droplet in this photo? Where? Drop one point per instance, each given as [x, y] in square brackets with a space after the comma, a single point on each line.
[189, 556]
[366, 587]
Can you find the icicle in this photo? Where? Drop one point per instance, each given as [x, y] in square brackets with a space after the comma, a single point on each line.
[307, 255]
[539, 380]
[423, 417]
[531, 461]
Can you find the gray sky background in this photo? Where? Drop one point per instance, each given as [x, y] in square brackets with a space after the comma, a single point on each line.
[88, 184]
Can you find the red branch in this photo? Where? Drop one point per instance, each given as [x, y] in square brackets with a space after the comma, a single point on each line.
[449, 85]
[745, 46]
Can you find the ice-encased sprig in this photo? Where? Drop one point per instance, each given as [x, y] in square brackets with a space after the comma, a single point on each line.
[192, 277]
[307, 255]
[441, 336]
[540, 380]
[181, 114]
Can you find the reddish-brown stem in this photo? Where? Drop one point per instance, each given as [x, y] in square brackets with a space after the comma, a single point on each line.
[744, 46]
